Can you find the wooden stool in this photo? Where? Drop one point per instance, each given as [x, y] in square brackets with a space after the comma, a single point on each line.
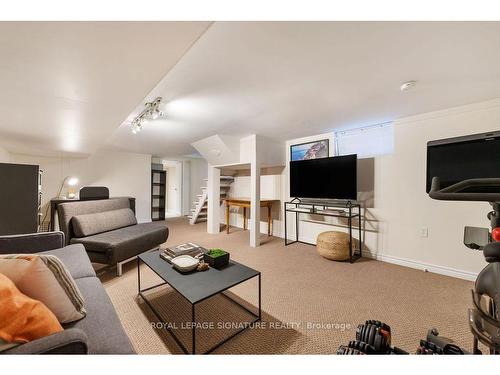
[333, 245]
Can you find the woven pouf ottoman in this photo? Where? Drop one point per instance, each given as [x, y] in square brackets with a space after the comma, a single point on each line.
[333, 245]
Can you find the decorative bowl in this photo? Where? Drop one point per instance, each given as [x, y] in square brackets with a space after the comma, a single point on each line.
[185, 263]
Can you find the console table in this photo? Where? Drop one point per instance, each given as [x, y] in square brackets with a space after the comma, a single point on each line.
[346, 210]
[245, 203]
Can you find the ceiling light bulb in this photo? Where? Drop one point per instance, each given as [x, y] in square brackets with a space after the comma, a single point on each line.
[151, 112]
[136, 127]
[407, 85]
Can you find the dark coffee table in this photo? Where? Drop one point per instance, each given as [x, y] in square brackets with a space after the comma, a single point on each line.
[196, 287]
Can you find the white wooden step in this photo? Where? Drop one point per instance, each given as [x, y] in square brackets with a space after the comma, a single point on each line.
[222, 178]
[223, 186]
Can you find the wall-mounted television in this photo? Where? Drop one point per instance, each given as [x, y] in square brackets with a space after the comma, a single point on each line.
[325, 178]
[462, 158]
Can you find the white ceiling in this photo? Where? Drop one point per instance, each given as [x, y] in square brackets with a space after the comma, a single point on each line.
[293, 79]
[66, 86]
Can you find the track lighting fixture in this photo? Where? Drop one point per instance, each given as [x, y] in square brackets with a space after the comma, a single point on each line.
[151, 112]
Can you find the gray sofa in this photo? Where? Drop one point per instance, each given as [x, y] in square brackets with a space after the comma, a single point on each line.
[100, 332]
[108, 230]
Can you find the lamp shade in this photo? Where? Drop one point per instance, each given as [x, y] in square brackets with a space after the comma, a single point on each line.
[72, 181]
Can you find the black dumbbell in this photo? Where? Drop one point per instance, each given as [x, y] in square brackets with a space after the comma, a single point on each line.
[376, 334]
[345, 350]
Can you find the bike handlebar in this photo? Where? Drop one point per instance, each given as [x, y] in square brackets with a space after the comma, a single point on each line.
[455, 192]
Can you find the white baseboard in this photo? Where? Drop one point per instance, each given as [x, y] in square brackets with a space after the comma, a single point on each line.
[441, 270]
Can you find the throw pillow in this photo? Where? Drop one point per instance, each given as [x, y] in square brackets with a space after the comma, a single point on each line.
[46, 279]
[90, 224]
[22, 319]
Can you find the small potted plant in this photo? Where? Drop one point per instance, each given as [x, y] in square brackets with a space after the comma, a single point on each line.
[216, 258]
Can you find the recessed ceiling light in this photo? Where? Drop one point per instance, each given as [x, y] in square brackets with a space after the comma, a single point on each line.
[407, 85]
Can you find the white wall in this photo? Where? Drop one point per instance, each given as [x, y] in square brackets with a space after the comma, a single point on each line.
[402, 204]
[4, 155]
[219, 149]
[401, 207]
[272, 153]
[125, 174]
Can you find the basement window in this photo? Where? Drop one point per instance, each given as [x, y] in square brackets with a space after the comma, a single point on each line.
[367, 141]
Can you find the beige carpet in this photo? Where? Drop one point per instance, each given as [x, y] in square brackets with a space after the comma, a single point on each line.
[310, 305]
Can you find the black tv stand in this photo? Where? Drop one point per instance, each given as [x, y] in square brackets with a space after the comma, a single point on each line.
[342, 209]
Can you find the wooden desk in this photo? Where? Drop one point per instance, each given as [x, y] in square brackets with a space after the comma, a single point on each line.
[245, 203]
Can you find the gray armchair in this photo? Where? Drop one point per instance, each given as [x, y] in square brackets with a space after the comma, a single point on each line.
[31, 243]
[69, 341]
[109, 230]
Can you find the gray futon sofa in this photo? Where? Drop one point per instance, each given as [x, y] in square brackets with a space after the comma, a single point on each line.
[100, 331]
[108, 230]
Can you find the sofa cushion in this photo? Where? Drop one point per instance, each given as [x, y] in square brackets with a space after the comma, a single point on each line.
[124, 243]
[102, 326]
[22, 318]
[90, 224]
[75, 259]
[45, 278]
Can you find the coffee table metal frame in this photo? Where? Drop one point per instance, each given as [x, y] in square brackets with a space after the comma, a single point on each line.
[257, 316]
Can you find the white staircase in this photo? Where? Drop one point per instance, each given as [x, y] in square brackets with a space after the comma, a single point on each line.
[200, 210]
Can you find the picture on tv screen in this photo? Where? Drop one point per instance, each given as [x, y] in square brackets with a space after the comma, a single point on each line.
[326, 178]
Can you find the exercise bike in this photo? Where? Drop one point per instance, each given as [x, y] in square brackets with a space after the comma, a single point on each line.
[374, 337]
[484, 316]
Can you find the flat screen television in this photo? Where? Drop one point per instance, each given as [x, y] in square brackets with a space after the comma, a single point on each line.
[462, 158]
[325, 178]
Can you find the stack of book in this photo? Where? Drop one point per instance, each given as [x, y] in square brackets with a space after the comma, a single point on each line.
[189, 248]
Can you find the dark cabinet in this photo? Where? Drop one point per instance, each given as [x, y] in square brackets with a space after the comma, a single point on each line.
[19, 198]
[158, 194]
